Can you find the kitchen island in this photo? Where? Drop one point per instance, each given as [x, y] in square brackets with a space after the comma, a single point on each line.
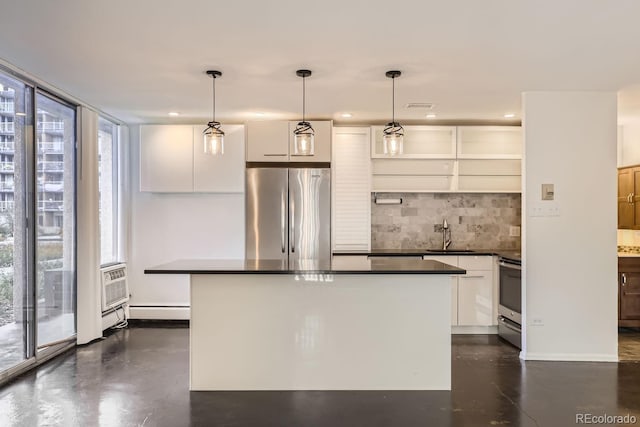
[351, 325]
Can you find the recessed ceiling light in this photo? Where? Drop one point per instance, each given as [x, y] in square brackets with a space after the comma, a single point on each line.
[259, 114]
[431, 116]
[174, 113]
[509, 116]
[346, 115]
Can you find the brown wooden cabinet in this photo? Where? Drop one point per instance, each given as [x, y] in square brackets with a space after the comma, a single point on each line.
[629, 291]
[629, 197]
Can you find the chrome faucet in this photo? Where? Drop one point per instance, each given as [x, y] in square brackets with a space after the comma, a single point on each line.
[446, 241]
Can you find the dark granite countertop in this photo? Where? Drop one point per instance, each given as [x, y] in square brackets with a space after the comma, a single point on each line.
[343, 265]
[514, 255]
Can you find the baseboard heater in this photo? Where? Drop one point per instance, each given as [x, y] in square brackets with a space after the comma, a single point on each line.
[159, 312]
[115, 295]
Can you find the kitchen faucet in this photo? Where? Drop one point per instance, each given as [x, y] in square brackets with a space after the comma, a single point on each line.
[445, 241]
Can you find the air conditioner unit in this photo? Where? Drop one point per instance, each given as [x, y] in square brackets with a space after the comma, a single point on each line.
[115, 289]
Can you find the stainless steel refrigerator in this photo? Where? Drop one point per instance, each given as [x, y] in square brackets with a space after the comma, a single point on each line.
[288, 216]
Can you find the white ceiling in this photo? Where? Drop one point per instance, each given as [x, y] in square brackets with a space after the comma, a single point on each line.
[139, 59]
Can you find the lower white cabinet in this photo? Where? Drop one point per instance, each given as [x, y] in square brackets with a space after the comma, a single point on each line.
[475, 299]
[473, 294]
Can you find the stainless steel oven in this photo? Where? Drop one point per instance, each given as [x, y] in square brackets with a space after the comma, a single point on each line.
[510, 301]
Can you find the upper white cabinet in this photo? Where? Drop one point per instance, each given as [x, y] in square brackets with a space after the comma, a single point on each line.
[219, 174]
[322, 142]
[450, 159]
[351, 189]
[419, 142]
[268, 141]
[272, 141]
[172, 160]
[489, 142]
[166, 158]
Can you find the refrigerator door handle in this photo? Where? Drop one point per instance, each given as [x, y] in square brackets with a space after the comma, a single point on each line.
[292, 238]
[283, 225]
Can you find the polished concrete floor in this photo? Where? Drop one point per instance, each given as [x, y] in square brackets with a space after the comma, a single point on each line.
[139, 377]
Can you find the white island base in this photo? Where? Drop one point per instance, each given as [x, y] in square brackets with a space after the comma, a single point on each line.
[320, 332]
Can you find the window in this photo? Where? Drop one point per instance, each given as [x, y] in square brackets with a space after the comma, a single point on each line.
[108, 187]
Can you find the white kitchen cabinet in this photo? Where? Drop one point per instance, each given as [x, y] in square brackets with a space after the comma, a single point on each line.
[451, 260]
[416, 175]
[166, 158]
[273, 141]
[219, 174]
[473, 295]
[267, 141]
[481, 159]
[419, 142]
[475, 298]
[351, 189]
[172, 160]
[489, 142]
[322, 142]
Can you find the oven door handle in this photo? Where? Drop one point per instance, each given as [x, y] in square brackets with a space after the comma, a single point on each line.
[509, 326]
[508, 265]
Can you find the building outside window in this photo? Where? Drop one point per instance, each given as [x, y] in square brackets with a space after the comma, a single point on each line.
[109, 189]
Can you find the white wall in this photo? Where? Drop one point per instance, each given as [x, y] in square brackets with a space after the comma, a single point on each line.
[169, 226]
[629, 141]
[89, 307]
[570, 264]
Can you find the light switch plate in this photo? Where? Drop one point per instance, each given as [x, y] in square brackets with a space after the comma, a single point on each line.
[547, 192]
[514, 231]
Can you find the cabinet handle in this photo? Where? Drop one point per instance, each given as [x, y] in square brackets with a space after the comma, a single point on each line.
[629, 198]
[274, 155]
[471, 277]
[624, 279]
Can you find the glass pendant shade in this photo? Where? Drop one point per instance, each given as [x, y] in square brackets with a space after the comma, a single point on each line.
[213, 135]
[214, 140]
[393, 133]
[392, 139]
[303, 142]
[303, 139]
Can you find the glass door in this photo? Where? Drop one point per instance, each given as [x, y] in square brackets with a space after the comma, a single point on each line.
[55, 214]
[16, 296]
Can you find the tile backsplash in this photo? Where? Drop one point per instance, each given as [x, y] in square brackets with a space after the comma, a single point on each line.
[476, 221]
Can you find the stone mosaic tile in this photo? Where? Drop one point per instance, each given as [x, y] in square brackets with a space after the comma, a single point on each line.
[476, 221]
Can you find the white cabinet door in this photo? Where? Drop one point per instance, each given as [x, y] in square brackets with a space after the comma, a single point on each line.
[475, 299]
[219, 174]
[166, 158]
[351, 189]
[419, 142]
[268, 141]
[321, 142]
[489, 142]
[451, 260]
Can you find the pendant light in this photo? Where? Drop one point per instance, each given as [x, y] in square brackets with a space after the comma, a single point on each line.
[393, 133]
[303, 134]
[213, 135]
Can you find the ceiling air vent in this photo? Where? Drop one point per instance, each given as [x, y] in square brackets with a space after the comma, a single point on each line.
[422, 105]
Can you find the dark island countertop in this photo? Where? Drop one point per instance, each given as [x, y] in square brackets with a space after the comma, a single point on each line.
[510, 254]
[343, 265]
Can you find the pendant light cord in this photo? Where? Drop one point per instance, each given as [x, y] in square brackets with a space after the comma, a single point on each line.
[213, 102]
[304, 91]
[393, 100]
